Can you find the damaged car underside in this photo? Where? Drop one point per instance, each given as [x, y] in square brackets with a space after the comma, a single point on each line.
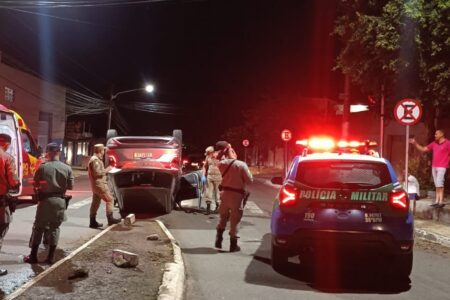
[146, 171]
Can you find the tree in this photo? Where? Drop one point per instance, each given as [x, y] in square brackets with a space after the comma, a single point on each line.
[403, 45]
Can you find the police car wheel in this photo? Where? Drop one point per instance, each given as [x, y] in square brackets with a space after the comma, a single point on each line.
[279, 258]
[403, 265]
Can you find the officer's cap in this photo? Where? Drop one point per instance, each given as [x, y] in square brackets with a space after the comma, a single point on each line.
[209, 150]
[5, 138]
[53, 147]
[98, 148]
[221, 145]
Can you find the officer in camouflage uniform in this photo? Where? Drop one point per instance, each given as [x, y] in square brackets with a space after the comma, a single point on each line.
[213, 179]
[8, 180]
[100, 188]
[51, 180]
[235, 177]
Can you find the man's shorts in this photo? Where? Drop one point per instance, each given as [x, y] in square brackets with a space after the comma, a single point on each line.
[438, 176]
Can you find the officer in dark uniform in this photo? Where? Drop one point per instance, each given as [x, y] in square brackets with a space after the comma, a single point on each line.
[51, 181]
[8, 180]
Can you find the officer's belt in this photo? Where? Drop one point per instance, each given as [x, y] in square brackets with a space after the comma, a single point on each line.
[227, 188]
[49, 195]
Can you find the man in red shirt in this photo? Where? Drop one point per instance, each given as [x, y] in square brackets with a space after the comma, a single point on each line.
[441, 156]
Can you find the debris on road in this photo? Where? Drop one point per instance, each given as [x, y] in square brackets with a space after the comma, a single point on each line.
[78, 273]
[153, 237]
[129, 220]
[124, 259]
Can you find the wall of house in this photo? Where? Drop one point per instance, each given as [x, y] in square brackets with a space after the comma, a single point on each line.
[40, 103]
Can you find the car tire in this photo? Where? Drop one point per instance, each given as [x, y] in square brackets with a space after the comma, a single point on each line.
[111, 133]
[279, 258]
[178, 135]
[168, 205]
[403, 264]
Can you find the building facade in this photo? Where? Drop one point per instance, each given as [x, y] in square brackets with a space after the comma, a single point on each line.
[42, 104]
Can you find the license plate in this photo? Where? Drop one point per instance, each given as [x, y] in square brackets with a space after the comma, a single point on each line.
[143, 155]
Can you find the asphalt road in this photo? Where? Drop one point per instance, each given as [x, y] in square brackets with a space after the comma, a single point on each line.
[248, 274]
[74, 233]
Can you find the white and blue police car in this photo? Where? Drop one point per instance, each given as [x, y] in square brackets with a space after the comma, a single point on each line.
[339, 202]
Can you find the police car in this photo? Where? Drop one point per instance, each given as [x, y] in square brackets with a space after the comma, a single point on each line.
[340, 202]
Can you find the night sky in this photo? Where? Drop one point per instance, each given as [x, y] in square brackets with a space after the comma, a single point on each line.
[209, 59]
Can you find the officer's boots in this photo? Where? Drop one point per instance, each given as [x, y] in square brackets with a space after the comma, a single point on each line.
[208, 208]
[93, 222]
[51, 255]
[112, 220]
[219, 238]
[233, 245]
[32, 258]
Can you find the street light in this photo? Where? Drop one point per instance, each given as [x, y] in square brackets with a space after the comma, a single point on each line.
[149, 88]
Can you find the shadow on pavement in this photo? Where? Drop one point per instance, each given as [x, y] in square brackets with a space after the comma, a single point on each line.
[330, 276]
[200, 250]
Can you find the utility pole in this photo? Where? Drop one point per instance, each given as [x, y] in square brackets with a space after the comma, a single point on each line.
[111, 98]
[382, 121]
[346, 109]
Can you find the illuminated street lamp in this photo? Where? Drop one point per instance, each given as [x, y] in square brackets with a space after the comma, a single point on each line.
[149, 88]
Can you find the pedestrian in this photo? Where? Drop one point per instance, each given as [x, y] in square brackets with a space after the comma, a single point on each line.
[235, 177]
[441, 156]
[100, 189]
[213, 179]
[413, 186]
[51, 181]
[8, 181]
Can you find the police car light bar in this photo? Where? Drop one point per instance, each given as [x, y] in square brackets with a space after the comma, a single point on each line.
[328, 144]
[318, 143]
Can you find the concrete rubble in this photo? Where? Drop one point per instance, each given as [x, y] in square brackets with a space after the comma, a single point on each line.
[153, 237]
[129, 220]
[124, 259]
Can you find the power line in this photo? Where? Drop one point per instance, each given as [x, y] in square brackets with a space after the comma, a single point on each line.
[58, 18]
[73, 4]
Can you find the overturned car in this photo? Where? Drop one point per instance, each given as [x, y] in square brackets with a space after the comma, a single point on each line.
[146, 171]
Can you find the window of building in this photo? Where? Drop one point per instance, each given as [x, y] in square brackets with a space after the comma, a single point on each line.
[9, 94]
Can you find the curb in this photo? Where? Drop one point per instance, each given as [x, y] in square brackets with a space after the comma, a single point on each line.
[39, 277]
[172, 286]
[433, 237]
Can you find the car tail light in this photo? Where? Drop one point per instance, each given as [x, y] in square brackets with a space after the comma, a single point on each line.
[288, 195]
[112, 160]
[174, 163]
[399, 200]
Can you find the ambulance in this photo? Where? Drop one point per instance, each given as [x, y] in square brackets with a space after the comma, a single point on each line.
[23, 148]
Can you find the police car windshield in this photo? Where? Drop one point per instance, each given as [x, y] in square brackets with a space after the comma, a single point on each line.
[343, 174]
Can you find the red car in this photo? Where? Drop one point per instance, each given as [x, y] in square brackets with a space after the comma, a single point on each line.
[146, 171]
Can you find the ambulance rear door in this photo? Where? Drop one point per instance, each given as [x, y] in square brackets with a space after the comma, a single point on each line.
[9, 125]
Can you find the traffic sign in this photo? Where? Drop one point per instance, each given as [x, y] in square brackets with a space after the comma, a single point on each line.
[408, 111]
[286, 135]
[245, 143]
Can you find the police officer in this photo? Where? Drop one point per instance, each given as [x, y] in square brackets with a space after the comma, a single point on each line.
[235, 177]
[97, 176]
[213, 179]
[8, 180]
[51, 181]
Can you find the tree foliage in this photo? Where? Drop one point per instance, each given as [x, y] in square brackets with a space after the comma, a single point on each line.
[401, 44]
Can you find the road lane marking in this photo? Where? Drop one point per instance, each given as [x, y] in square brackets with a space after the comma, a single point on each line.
[253, 208]
[81, 203]
[250, 208]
